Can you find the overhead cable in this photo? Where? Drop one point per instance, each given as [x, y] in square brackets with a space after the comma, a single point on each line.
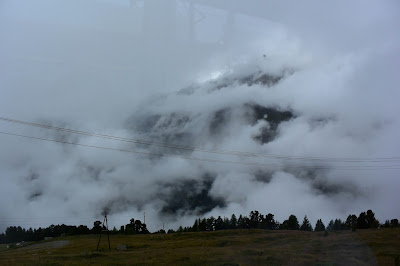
[214, 151]
[373, 167]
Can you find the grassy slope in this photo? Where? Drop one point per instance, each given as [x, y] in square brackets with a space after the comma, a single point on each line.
[384, 243]
[244, 247]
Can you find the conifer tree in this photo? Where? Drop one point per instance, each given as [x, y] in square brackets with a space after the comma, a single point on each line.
[306, 226]
[319, 226]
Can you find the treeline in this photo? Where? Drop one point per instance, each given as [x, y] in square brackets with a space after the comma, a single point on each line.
[257, 220]
[18, 234]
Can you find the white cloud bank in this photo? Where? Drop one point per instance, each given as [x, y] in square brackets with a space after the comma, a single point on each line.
[144, 72]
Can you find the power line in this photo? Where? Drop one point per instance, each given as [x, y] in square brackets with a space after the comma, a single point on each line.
[63, 218]
[214, 151]
[68, 218]
[373, 167]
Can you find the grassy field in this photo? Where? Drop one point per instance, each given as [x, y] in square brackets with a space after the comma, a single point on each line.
[238, 247]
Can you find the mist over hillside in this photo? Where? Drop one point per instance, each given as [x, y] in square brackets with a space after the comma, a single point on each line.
[230, 109]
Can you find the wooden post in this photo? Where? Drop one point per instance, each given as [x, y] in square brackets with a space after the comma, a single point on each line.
[105, 223]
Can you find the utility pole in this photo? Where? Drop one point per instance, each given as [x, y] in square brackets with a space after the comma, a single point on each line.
[144, 217]
[105, 229]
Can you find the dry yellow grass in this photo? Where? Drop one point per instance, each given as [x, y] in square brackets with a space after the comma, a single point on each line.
[238, 247]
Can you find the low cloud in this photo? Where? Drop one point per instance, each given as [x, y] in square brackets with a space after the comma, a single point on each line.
[317, 83]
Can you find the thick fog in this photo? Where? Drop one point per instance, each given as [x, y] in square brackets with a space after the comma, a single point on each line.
[274, 106]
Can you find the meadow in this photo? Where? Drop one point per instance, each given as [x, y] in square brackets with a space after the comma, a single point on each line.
[230, 247]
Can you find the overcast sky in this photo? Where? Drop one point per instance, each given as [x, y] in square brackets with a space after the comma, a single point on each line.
[172, 72]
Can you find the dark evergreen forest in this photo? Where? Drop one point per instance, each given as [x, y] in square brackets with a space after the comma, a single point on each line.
[255, 220]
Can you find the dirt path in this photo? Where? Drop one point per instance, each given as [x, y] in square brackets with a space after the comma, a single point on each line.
[346, 248]
[45, 245]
